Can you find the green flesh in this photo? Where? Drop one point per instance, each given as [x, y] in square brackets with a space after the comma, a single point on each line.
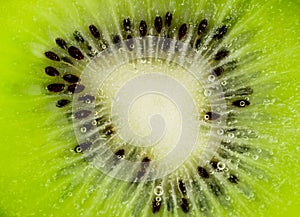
[35, 135]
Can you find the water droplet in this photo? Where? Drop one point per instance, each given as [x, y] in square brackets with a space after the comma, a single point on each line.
[221, 166]
[158, 199]
[207, 92]
[158, 190]
[220, 131]
[211, 78]
[231, 135]
[83, 129]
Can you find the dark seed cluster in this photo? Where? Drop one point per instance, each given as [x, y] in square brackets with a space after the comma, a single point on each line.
[70, 84]
[220, 33]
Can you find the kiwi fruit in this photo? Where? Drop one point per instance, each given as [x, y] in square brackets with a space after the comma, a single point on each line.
[150, 108]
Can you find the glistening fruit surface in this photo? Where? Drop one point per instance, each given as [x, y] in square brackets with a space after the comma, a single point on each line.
[33, 131]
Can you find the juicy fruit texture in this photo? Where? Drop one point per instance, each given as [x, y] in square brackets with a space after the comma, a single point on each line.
[59, 180]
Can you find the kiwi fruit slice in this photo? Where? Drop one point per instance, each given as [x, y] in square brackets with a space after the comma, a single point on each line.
[130, 108]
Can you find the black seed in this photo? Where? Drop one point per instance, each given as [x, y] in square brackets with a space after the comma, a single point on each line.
[169, 18]
[82, 114]
[71, 78]
[182, 31]
[233, 179]
[158, 24]
[108, 130]
[184, 205]
[101, 121]
[212, 116]
[82, 147]
[129, 43]
[56, 87]
[218, 71]
[116, 39]
[146, 159]
[76, 88]
[214, 164]
[241, 103]
[126, 24]
[86, 99]
[67, 60]
[143, 28]
[77, 149]
[181, 187]
[203, 173]
[86, 127]
[221, 31]
[75, 53]
[51, 71]
[216, 189]
[78, 37]
[145, 165]
[52, 56]
[62, 102]
[202, 26]
[61, 43]
[221, 54]
[120, 153]
[198, 43]
[95, 32]
[156, 206]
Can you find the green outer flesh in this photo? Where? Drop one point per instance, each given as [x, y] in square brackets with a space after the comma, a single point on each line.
[25, 136]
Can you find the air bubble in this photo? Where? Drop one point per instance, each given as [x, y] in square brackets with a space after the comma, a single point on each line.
[131, 46]
[158, 190]
[220, 131]
[94, 122]
[221, 166]
[103, 46]
[231, 135]
[121, 49]
[158, 199]
[227, 198]
[211, 78]
[255, 157]
[223, 83]
[207, 92]
[83, 129]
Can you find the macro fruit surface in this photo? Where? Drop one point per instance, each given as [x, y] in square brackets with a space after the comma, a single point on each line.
[252, 49]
